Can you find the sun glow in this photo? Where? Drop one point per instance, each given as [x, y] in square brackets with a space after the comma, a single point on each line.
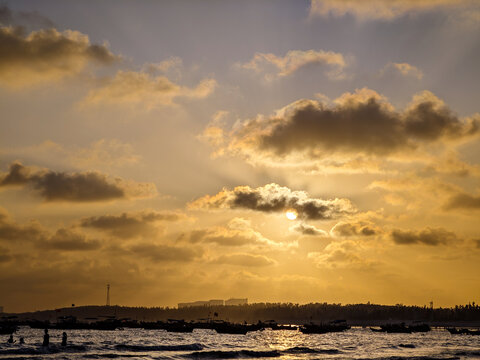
[291, 214]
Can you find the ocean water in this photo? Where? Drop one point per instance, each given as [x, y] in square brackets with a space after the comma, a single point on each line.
[356, 343]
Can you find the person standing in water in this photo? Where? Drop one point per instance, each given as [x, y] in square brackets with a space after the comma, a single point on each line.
[46, 338]
[10, 339]
[64, 339]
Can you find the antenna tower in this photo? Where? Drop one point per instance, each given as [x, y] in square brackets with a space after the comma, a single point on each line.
[108, 294]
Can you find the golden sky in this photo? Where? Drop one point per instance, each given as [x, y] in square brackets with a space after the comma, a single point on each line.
[282, 151]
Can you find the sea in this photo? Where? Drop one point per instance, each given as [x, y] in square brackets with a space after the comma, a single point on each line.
[355, 343]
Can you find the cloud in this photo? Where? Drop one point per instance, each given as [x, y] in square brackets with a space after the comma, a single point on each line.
[238, 232]
[165, 252]
[13, 232]
[69, 240]
[240, 259]
[362, 228]
[273, 198]
[128, 225]
[428, 236]
[340, 254]
[306, 229]
[388, 10]
[360, 124]
[4, 255]
[101, 154]
[463, 201]
[275, 66]
[24, 18]
[46, 55]
[74, 187]
[144, 89]
[403, 69]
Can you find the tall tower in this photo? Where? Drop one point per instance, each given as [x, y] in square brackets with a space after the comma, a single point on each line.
[108, 294]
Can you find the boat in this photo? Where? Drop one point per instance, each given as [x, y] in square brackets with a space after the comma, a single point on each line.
[455, 331]
[334, 326]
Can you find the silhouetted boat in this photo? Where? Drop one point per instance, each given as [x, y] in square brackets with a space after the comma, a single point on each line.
[335, 326]
[396, 328]
[223, 327]
[420, 328]
[456, 331]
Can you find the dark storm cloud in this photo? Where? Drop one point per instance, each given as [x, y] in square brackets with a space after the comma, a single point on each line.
[129, 225]
[428, 236]
[463, 201]
[275, 198]
[74, 187]
[68, 240]
[360, 122]
[166, 252]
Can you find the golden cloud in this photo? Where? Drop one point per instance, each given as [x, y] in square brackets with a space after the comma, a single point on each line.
[273, 198]
[387, 10]
[360, 124]
[74, 187]
[276, 66]
[142, 88]
[46, 55]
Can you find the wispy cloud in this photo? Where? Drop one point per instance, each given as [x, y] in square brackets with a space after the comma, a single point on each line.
[273, 66]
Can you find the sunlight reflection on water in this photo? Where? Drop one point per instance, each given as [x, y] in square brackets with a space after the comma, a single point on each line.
[356, 343]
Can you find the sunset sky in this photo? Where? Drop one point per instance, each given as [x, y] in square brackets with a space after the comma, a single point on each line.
[160, 145]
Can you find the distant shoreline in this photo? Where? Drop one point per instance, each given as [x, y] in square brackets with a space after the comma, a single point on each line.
[283, 313]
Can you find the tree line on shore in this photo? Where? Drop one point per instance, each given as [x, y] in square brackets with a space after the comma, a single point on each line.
[287, 313]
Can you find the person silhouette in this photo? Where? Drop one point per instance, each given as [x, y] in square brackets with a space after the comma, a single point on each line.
[64, 339]
[46, 338]
[22, 341]
[10, 339]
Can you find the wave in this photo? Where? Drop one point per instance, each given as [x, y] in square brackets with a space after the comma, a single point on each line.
[42, 350]
[143, 348]
[307, 350]
[468, 353]
[107, 355]
[240, 354]
[416, 358]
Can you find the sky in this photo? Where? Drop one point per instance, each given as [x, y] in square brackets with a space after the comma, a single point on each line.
[278, 150]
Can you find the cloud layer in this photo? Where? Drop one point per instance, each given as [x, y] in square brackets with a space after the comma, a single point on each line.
[428, 236]
[387, 10]
[273, 198]
[275, 66]
[143, 89]
[46, 55]
[128, 225]
[360, 123]
[74, 187]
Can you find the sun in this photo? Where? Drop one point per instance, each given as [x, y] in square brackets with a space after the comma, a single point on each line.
[291, 214]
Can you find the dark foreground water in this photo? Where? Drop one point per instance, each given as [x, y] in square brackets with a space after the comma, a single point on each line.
[356, 343]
